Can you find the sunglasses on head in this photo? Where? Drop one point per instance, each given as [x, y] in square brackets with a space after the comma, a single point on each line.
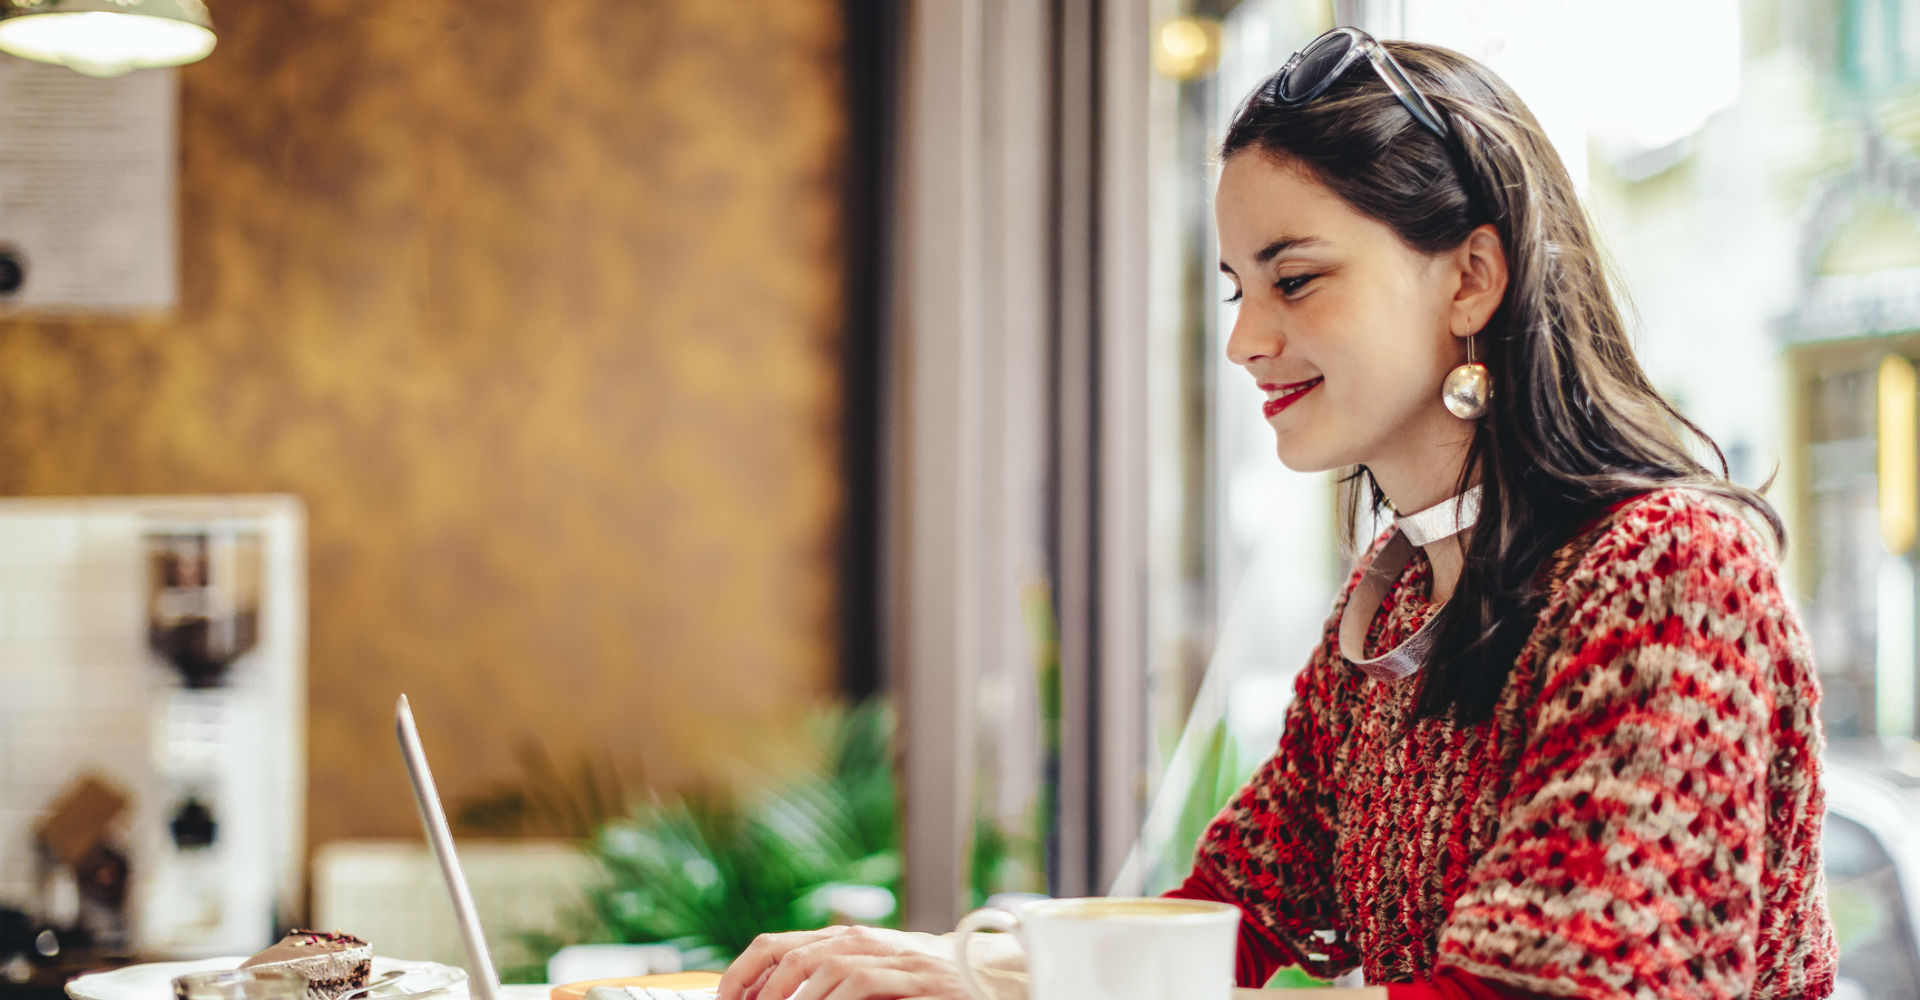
[1314, 68]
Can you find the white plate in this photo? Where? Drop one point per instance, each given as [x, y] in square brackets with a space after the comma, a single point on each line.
[154, 980]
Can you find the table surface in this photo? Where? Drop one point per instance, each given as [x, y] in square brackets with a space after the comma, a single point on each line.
[50, 988]
[539, 992]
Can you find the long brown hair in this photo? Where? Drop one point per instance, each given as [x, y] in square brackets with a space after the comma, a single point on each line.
[1574, 425]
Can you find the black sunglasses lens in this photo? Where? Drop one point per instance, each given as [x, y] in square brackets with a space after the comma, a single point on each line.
[1315, 63]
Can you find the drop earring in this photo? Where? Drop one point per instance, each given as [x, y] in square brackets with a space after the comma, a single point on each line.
[1467, 388]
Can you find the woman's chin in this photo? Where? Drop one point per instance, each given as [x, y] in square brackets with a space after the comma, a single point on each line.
[1298, 461]
[1305, 459]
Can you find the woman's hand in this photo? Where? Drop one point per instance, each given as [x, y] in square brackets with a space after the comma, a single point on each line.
[844, 963]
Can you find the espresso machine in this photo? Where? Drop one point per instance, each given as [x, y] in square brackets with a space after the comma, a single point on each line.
[210, 866]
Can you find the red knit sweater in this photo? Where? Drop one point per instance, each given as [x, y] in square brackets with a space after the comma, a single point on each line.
[1640, 818]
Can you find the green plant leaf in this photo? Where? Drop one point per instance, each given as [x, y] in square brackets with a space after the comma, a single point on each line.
[707, 873]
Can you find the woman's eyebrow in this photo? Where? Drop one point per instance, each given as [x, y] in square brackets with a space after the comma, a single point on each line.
[1278, 247]
[1284, 244]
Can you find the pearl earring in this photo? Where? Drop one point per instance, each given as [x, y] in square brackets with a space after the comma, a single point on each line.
[1467, 388]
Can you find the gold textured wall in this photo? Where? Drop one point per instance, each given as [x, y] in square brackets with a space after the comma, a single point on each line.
[537, 306]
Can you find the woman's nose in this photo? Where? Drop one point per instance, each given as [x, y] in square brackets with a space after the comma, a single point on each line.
[1251, 340]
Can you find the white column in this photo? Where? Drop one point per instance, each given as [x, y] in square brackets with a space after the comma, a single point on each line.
[1122, 435]
[970, 431]
[936, 411]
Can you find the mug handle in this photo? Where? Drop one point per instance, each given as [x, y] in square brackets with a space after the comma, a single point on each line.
[979, 920]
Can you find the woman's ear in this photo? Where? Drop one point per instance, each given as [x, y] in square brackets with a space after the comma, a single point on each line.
[1482, 264]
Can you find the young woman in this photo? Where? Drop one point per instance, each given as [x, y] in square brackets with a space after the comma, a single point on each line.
[1559, 738]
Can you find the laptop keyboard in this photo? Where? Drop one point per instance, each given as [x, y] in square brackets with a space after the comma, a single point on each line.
[647, 993]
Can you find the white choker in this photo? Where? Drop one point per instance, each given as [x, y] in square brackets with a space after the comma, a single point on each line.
[1448, 517]
[1424, 528]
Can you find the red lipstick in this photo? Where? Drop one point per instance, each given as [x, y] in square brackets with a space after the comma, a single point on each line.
[1289, 394]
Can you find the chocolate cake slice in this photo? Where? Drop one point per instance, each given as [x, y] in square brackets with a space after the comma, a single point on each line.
[332, 963]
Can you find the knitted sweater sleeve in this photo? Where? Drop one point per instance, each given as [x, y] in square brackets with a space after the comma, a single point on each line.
[1270, 851]
[1632, 858]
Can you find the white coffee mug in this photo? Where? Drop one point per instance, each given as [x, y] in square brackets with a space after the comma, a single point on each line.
[1110, 948]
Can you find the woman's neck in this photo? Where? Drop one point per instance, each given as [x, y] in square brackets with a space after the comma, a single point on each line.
[1413, 491]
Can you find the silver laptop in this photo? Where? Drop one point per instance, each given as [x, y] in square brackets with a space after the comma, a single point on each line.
[482, 982]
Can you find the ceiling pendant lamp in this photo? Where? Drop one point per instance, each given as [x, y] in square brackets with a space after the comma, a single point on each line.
[106, 37]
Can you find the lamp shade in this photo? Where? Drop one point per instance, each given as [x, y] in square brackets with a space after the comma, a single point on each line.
[106, 37]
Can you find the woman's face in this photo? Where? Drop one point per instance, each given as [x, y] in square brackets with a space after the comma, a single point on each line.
[1344, 326]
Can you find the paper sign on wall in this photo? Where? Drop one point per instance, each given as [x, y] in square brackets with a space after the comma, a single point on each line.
[87, 190]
